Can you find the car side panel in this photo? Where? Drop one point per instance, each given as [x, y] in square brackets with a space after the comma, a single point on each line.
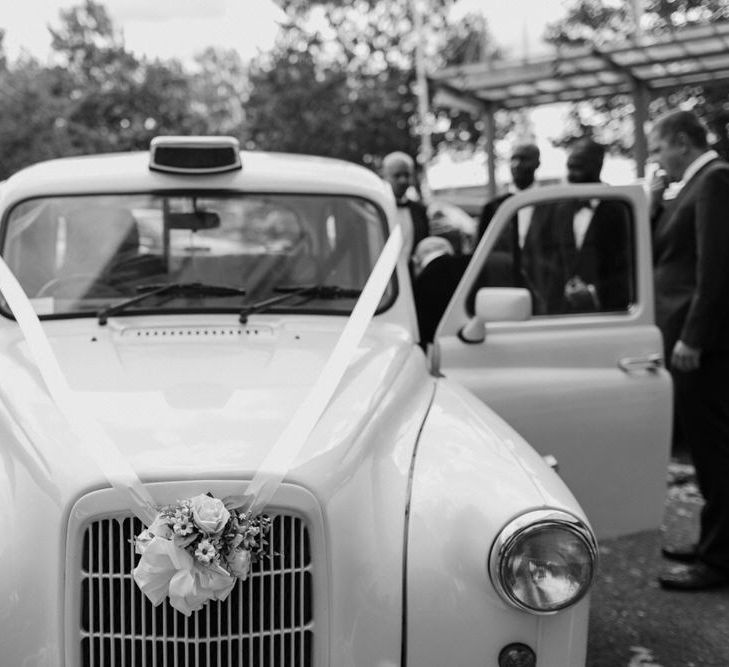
[563, 391]
[472, 474]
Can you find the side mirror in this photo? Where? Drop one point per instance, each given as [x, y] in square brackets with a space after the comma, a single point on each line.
[496, 304]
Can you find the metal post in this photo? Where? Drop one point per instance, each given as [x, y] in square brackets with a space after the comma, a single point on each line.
[641, 98]
[426, 145]
[490, 150]
[640, 118]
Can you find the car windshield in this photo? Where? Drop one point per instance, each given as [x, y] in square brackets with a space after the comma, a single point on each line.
[82, 254]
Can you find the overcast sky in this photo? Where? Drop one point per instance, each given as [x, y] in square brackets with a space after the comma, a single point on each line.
[180, 28]
[164, 28]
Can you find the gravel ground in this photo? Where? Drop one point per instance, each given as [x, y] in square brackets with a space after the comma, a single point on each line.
[633, 621]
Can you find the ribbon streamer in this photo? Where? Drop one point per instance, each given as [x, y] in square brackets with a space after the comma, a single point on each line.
[97, 444]
[94, 440]
[279, 459]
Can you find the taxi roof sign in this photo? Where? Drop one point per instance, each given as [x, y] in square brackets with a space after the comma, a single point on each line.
[194, 155]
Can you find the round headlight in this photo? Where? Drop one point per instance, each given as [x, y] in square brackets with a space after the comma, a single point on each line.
[543, 561]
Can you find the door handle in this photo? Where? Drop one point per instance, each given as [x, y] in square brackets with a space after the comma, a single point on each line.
[650, 364]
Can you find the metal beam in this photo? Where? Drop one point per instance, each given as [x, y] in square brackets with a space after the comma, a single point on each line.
[641, 97]
[452, 98]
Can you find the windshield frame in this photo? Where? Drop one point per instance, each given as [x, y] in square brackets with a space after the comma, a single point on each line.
[233, 309]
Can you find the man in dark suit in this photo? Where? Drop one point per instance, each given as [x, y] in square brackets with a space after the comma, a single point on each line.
[519, 251]
[691, 273]
[523, 164]
[398, 170]
[592, 239]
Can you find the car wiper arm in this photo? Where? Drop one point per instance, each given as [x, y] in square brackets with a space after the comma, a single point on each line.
[308, 291]
[168, 290]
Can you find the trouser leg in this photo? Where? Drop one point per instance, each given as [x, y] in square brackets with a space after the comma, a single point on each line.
[702, 404]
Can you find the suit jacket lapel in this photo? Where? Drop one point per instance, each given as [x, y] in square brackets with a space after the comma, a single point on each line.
[688, 187]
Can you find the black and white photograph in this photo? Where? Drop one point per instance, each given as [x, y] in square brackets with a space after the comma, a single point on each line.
[364, 333]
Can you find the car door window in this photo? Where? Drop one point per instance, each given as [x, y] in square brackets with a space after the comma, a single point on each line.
[575, 256]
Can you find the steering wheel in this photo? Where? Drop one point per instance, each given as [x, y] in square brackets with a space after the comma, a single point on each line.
[79, 285]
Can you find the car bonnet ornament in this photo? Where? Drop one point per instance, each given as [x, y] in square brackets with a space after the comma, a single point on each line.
[194, 550]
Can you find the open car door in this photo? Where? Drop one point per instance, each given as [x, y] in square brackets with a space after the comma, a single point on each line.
[553, 329]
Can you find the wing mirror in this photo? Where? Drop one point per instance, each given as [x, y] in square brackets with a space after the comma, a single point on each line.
[496, 304]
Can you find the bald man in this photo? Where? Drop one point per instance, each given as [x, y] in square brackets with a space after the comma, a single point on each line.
[519, 244]
[523, 164]
[398, 170]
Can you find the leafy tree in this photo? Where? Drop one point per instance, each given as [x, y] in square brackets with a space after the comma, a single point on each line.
[99, 97]
[219, 88]
[117, 100]
[31, 110]
[341, 79]
[302, 105]
[603, 21]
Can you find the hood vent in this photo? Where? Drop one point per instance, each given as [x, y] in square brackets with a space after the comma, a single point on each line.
[201, 333]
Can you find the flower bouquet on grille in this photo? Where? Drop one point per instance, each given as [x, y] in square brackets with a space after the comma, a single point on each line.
[196, 549]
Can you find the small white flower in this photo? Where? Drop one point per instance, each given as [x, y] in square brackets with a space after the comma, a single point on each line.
[205, 551]
[183, 526]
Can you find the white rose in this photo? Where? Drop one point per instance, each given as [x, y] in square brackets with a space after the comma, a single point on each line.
[239, 562]
[209, 514]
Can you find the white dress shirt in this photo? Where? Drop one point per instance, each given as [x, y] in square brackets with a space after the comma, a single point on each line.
[581, 222]
[676, 186]
[524, 218]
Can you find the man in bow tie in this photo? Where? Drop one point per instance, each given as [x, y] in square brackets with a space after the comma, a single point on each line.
[691, 276]
[593, 241]
[519, 256]
[398, 170]
[523, 164]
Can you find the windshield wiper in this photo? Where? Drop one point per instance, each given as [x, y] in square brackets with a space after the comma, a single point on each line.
[306, 291]
[169, 291]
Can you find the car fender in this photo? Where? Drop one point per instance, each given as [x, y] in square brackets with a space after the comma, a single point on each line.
[471, 475]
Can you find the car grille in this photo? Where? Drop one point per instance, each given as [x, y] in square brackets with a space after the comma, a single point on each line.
[266, 620]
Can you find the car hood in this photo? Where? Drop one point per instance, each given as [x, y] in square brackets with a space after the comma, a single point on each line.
[203, 401]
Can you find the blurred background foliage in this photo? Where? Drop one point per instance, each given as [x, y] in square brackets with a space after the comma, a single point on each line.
[601, 22]
[340, 81]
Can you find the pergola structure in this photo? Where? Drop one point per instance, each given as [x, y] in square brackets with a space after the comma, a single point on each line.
[641, 66]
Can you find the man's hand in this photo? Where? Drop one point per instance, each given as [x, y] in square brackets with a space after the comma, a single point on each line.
[580, 296]
[658, 183]
[685, 357]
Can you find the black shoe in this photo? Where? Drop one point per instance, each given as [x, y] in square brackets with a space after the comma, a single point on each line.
[696, 577]
[682, 553]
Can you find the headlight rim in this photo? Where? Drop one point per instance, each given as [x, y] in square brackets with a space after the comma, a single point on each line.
[521, 526]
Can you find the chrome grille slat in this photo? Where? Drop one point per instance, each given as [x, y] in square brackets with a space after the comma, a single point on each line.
[267, 621]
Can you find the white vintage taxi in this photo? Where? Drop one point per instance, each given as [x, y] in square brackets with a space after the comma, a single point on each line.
[195, 338]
